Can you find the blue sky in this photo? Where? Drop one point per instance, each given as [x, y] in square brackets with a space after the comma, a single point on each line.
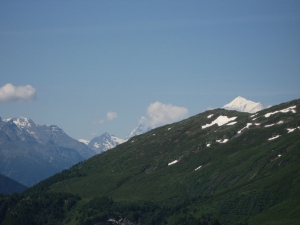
[99, 66]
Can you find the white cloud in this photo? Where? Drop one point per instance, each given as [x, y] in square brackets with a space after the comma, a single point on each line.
[111, 115]
[160, 113]
[144, 124]
[10, 93]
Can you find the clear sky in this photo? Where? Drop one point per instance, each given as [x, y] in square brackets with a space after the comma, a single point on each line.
[91, 67]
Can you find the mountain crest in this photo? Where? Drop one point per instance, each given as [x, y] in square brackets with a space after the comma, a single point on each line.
[243, 105]
[104, 142]
[31, 152]
[23, 122]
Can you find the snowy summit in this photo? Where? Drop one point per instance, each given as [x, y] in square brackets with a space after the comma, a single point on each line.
[243, 105]
[104, 142]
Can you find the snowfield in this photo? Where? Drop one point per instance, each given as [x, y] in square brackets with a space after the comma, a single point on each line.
[272, 138]
[289, 109]
[84, 141]
[291, 129]
[96, 145]
[221, 120]
[253, 115]
[270, 125]
[198, 168]
[243, 105]
[220, 141]
[22, 122]
[171, 163]
[231, 123]
[246, 127]
[118, 140]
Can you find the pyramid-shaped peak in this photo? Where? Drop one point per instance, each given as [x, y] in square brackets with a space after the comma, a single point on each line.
[243, 105]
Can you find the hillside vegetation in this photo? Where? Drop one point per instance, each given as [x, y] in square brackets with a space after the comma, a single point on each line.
[218, 167]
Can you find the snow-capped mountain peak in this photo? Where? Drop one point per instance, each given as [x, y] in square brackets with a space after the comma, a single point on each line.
[243, 105]
[37, 151]
[23, 122]
[117, 140]
[142, 127]
[104, 142]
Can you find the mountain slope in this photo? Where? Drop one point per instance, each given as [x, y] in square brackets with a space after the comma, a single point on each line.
[9, 186]
[243, 105]
[233, 165]
[44, 133]
[30, 153]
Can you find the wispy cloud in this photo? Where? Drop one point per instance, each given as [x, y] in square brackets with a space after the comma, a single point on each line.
[11, 93]
[111, 115]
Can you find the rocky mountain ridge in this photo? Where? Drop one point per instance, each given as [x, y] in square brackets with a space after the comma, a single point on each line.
[104, 142]
[30, 152]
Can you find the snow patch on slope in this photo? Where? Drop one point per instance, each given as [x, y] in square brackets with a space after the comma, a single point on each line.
[22, 122]
[117, 140]
[198, 168]
[289, 109]
[222, 141]
[171, 163]
[86, 142]
[247, 127]
[274, 137]
[221, 120]
[231, 123]
[291, 129]
[209, 116]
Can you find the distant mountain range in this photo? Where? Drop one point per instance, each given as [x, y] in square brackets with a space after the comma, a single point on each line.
[9, 186]
[104, 142]
[30, 152]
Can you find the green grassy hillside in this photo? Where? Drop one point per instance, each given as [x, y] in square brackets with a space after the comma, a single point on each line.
[246, 171]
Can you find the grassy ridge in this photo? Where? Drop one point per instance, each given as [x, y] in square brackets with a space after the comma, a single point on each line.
[249, 179]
